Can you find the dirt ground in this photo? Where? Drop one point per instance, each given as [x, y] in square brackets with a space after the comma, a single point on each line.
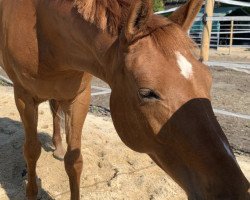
[231, 92]
[111, 170]
[239, 55]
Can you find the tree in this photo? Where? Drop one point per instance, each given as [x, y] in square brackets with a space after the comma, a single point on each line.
[158, 5]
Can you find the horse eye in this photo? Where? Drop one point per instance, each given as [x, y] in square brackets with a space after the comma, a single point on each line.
[148, 94]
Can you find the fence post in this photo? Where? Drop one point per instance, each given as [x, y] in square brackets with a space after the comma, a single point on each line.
[218, 35]
[209, 10]
[231, 36]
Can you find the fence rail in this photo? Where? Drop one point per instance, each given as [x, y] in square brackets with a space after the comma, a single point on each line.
[232, 18]
[226, 31]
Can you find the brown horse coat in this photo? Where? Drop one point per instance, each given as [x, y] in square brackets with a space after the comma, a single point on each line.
[160, 92]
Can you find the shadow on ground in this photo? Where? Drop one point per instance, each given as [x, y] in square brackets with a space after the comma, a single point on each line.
[12, 163]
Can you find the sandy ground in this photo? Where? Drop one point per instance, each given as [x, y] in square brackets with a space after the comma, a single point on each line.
[237, 55]
[231, 92]
[111, 170]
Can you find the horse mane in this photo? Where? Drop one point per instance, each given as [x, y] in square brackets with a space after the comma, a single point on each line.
[107, 15]
[111, 15]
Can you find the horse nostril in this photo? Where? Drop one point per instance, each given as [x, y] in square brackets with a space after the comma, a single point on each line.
[148, 94]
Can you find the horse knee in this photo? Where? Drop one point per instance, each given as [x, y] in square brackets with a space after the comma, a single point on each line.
[32, 151]
[73, 161]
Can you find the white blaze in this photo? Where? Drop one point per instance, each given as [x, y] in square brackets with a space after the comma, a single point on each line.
[184, 65]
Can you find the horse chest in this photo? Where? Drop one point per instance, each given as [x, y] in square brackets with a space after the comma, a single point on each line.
[58, 87]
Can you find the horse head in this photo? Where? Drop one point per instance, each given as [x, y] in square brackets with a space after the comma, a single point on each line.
[160, 104]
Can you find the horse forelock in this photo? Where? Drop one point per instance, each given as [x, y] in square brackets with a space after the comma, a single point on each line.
[170, 38]
[105, 14]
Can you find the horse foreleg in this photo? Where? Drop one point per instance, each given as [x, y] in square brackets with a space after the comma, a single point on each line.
[59, 152]
[75, 114]
[28, 109]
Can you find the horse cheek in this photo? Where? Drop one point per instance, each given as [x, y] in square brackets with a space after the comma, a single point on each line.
[127, 120]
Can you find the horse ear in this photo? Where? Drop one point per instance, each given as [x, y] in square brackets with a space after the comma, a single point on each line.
[140, 11]
[185, 15]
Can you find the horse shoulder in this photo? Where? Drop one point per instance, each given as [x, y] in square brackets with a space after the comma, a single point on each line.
[19, 39]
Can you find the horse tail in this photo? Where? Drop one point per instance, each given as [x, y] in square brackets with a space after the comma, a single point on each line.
[57, 112]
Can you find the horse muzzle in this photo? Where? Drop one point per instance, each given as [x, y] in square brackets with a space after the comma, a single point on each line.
[196, 153]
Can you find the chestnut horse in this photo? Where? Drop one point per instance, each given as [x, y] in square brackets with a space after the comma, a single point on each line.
[160, 101]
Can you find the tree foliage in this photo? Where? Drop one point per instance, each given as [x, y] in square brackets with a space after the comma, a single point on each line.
[158, 5]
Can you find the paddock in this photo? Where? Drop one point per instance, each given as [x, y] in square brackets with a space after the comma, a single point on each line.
[111, 170]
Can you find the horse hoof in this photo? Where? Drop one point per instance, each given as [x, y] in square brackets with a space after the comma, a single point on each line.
[33, 193]
[59, 154]
[32, 198]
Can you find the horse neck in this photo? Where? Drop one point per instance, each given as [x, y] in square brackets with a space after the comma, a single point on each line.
[79, 44]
